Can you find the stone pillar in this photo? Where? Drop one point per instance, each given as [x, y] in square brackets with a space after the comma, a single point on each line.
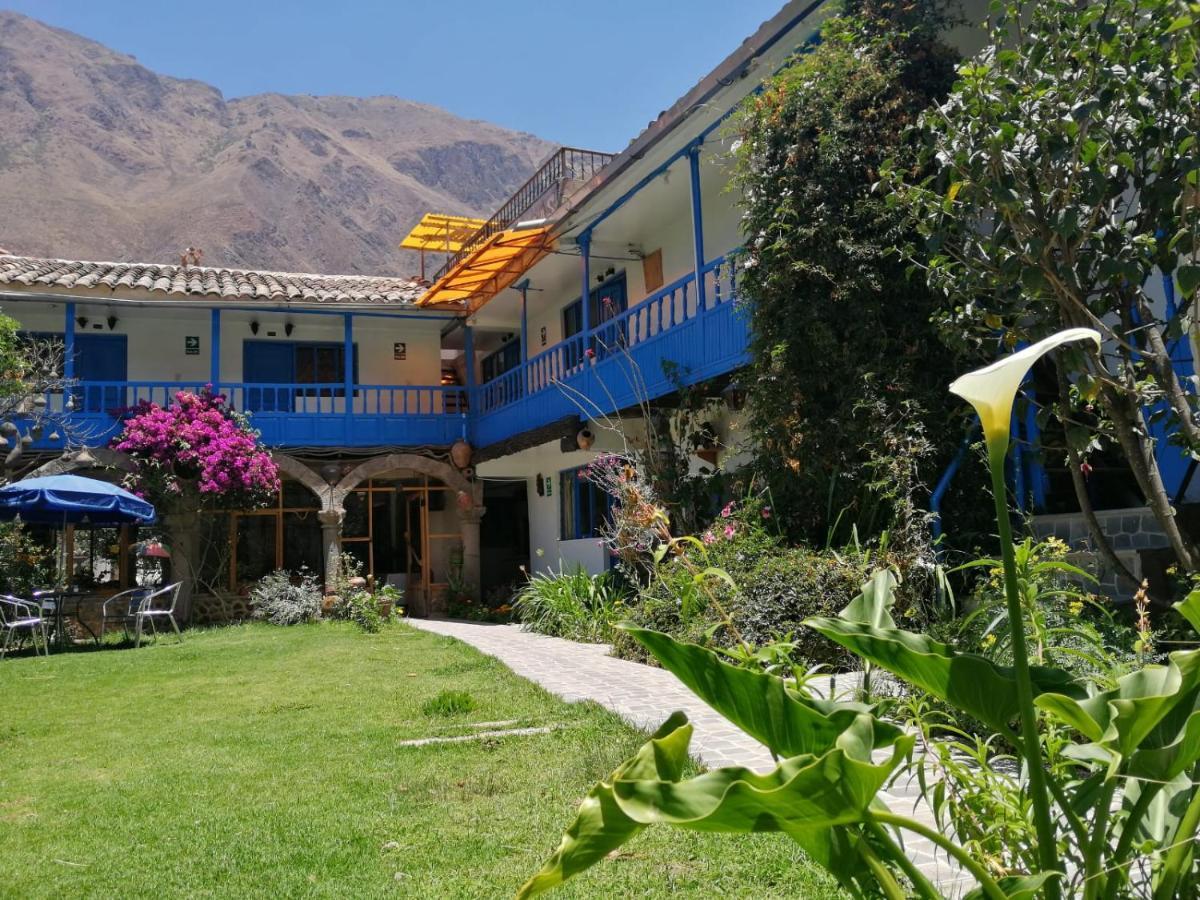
[468, 521]
[331, 551]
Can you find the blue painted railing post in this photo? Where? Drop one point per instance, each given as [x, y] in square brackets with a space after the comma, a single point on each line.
[697, 224]
[348, 368]
[472, 398]
[69, 342]
[215, 349]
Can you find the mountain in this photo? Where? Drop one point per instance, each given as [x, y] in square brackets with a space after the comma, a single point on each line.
[101, 158]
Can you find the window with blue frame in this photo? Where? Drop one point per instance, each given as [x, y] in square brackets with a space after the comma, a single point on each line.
[282, 364]
[605, 303]
[500, 361]
[585, 506]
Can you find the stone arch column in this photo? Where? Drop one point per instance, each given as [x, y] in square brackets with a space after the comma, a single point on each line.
[329, 515]
[470, 511]
[297, 470]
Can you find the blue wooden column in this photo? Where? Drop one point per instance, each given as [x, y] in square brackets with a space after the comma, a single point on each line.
[469, 373]
[348, 367]
[69, 342]
[215, 348]
[697, 223]
[523, 287]
[585, 249]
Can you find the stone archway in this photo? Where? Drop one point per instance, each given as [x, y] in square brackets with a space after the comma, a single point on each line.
[298, 471]
[469, 496]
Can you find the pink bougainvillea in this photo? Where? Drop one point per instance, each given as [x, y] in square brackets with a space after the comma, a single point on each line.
[197, 444]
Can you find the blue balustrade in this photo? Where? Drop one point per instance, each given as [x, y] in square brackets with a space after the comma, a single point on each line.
[673, 337]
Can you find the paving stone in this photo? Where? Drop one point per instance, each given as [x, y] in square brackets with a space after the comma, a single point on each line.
[645, 696]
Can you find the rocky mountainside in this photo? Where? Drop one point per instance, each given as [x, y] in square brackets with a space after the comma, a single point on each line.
[100, 158]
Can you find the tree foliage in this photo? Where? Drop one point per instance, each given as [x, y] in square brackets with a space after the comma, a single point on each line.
[847, 370]
[1065, 182]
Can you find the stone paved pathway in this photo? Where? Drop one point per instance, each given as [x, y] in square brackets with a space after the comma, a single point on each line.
[645, 696]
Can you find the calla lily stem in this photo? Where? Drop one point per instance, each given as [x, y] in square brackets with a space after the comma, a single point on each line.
[1031, 748]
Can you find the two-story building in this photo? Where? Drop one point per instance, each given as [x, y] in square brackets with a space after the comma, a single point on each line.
[603, 283]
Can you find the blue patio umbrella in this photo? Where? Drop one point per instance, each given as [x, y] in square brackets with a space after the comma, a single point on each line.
[72, 499]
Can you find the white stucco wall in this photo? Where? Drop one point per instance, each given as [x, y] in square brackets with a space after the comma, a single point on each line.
[156, 339]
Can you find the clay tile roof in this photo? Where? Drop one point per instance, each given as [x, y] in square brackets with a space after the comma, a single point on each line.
[194, 282]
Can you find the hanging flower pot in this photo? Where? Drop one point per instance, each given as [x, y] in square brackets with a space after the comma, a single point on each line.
[464, 501]
[585, 439]
[460, 454]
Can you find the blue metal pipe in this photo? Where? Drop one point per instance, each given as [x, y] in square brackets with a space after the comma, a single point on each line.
[943, 485]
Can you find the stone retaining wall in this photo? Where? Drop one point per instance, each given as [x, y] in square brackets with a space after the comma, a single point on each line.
[1129, 532]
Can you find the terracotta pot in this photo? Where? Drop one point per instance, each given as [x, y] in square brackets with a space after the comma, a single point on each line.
[328, 603]
[585, 439]
[384, 607]
[460, 454]
[464, 501]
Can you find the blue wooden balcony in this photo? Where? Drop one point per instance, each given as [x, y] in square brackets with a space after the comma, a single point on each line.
[678, 336]
[675, 337]
[288, 415]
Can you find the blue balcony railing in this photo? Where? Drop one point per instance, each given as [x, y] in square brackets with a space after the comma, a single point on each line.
[298, 415]
[677, 336]
[668, 340]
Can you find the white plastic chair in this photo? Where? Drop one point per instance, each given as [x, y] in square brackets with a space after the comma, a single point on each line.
[21, 615]
[158, 605]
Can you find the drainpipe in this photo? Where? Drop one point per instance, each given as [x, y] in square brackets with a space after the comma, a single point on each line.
[697, 224]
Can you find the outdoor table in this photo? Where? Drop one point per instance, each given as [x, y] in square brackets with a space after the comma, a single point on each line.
[61, 599]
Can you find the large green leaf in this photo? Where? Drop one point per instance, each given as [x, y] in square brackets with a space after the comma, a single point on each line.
[1149, 709]
[601, 826]
[972, 683]
[1189, 608]
[1016, 887]
[874, 603]
[760, 704]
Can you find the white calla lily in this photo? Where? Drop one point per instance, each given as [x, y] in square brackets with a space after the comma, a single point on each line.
[992, 389]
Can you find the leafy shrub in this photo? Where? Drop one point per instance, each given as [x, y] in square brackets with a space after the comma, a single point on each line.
[285, 599]
[448, 703]
[572, 604]
[359, 607]
[25, 565]
[1065, 626]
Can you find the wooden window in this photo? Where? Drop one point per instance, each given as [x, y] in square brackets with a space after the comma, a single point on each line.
[652, 271]
[584, 505]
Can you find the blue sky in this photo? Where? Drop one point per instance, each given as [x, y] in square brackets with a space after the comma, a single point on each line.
[581, 73]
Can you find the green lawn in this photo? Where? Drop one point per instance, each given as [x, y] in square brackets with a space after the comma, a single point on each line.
[255, 761]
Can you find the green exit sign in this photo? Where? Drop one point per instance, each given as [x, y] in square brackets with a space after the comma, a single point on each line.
[191, 345]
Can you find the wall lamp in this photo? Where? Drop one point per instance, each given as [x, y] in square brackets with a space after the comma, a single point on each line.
[112, 322]
[288, 328]
[254, 327]
[81, 321]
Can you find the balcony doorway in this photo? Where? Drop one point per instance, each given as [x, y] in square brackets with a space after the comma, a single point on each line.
[404, 531]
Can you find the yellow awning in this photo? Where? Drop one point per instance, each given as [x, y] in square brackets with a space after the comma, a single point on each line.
[490, 268]
[441, 234]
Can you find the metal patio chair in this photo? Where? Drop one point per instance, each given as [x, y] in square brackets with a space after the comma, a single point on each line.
[21, 615]
[156, 606]
[122, 608]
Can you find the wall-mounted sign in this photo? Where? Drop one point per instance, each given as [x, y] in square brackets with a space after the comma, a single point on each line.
[543, 335]
[399, 350]
[191, 345]
[549, 488]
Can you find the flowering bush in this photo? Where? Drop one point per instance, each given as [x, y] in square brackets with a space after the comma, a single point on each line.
[196, 445]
